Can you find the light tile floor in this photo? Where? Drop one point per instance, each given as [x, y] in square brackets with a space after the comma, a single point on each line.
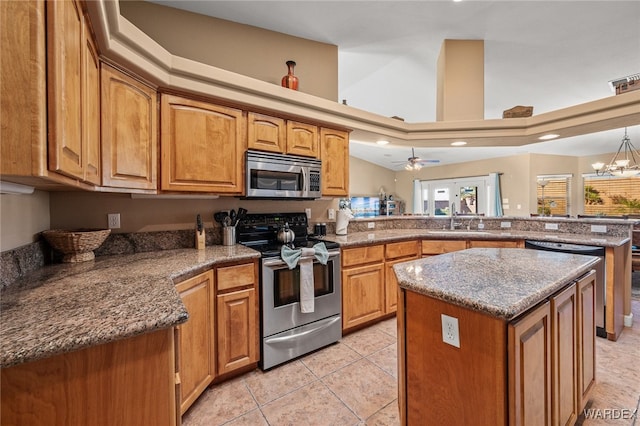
[354, 382]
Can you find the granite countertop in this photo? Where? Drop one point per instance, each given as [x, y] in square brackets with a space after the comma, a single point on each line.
[66, 307]
[390, 235]
[503, 282]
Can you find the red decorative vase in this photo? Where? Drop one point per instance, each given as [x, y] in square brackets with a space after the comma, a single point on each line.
[290, 80]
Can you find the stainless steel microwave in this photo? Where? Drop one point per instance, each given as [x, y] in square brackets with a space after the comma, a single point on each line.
[272, 175]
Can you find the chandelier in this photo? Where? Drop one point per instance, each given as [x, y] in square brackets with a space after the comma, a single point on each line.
[625, 166]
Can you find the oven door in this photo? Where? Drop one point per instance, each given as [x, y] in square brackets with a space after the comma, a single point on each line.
[281, 294]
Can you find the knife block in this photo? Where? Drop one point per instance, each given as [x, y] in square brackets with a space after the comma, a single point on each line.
[200, 240]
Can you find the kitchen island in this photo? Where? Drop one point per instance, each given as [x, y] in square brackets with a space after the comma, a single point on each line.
[520, 330]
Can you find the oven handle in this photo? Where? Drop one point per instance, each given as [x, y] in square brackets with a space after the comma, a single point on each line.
[322, 324]
[276, 261]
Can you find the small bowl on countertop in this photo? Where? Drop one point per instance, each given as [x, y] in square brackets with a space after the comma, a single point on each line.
[76, 245]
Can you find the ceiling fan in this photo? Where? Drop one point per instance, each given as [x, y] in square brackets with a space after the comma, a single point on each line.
[414, 162]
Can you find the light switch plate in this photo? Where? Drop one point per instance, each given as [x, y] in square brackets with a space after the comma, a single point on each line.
[551, 226]
[599, 228]
[371, 225]
[505, 224]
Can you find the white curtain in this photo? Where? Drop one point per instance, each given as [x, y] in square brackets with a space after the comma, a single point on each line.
[494, 203]
[417, 197]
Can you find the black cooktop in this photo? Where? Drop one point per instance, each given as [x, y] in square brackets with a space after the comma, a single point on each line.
[260, 231]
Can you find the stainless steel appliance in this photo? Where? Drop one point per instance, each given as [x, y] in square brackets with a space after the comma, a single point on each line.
[272, 175]
[600, 285]
[286, 332]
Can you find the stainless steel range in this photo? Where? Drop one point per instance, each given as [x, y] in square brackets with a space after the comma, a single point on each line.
[287, 332]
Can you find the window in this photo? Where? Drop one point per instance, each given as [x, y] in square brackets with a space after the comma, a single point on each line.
[611, 195]
[553, 195]
[463, 195]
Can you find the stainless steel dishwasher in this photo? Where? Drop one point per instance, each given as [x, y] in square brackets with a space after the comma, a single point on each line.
[600, 269]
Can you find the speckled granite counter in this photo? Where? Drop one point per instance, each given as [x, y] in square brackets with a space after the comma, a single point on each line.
[500, 282]
[65, 307]
[389, 235]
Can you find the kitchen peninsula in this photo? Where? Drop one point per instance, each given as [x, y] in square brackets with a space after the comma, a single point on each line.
[85, 343]
[520, 331]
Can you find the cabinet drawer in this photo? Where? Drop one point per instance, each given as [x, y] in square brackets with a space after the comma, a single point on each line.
[402, 249]
[229, 277]
[442, 246]
[362, 255]
[495, 244]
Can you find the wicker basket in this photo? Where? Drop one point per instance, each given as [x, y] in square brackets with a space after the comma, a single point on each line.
[76, 246]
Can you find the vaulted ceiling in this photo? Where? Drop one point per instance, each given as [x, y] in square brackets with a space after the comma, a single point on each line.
[547, 54]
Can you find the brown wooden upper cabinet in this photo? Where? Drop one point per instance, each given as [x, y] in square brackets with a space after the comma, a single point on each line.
[202, 146]
[266, 133]
[334, 153]
[302, 139]
[73, 93]
[129, 131]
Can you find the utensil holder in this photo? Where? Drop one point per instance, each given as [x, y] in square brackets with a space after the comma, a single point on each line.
[228, 235]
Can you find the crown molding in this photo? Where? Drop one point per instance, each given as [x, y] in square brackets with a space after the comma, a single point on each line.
[123, 43]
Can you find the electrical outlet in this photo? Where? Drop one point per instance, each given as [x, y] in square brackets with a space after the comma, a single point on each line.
[332, 214]
[450, 333]
[505, 224]
[599, 228]
[308, 213]
[371, 225]
[551, 226]
[114, 220]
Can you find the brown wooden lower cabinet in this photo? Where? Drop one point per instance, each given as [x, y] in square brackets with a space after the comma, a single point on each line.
[586, 291]
[363, 292]
[221, 335]
[126, 382]
[237, 330]
[564, 362]
[535, 370]
[196, 340]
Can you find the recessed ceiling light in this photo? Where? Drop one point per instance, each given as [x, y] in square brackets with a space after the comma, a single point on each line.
[382, 142]
[548, 137]
[458, 143]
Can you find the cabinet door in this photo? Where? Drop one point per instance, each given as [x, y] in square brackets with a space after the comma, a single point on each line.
[363, 295]
[65, 38]
[196, 338]
[495, 244]
[586, 337]
[129, 132]
[202, 146]
[433, 247]
[91, 109]
[529, 366]
[266, 133]
[391, 284]
[237, 330]
[564, 360]
[334, 153]
[302, 139]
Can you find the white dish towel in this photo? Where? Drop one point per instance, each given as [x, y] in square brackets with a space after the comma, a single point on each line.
[307, 295]
[304, 258]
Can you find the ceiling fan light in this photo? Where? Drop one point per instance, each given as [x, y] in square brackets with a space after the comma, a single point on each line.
[417, 166]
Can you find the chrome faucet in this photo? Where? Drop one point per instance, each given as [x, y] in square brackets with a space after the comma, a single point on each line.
[454, 224]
